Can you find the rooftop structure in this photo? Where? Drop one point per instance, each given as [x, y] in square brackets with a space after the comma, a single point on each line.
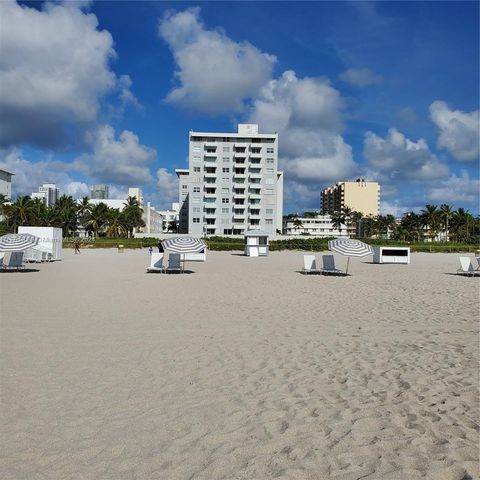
[99, 192]
[48, 192]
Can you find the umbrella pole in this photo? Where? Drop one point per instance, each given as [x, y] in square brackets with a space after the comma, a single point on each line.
[348, 261]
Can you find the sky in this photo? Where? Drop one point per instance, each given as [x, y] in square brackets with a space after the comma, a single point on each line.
[107, 92]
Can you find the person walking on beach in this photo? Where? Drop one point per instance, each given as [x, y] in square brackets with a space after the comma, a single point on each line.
[150, 250]
[77, 247]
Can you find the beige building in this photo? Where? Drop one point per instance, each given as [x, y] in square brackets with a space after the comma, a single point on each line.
[360, 196]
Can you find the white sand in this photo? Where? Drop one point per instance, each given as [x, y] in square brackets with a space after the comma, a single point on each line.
[244, 369]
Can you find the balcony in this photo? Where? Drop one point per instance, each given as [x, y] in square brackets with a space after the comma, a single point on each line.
[255, 176]
[239, 176]
[242, 155]
[256, 156]
[210, 175]
[210, 145]
[255, 196]
[210, 156]
[238, 215]
[240, 195]
[209, 216]
[209, 195]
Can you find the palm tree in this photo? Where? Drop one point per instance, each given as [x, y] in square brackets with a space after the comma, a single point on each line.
[447, 214]
[297, 223]
[66, 213]
[431, 220]
[19, 212]
[133, 215]
[116, 223]
[338, 220]
[97, 218]
[356, 219]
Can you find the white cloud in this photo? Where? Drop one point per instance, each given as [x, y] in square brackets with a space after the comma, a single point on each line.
[459, 131]
[167, 185]
[396, 157]
[54, 71]
[215, 74]
[460, 189]
[306, 113]
[29, 175]
[360, 77]
[395, 209]
[124, 161]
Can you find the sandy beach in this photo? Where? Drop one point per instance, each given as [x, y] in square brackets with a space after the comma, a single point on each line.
[242, 369]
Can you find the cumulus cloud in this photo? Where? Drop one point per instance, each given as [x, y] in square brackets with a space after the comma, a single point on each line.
[123, 161]
[457, 189]
[396, 157]
[53, 72]
[215, 74]
[306, 113]
[459, 131]
[167, 185]
[30, 175]
[360, 77]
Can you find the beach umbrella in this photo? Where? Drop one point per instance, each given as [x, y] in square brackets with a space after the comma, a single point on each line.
[183, 245]
[17, 242]
[350, 248]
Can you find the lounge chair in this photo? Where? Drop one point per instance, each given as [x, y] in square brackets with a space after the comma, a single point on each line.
[329, 266]
[174, 263]
[466, 267]
[156, 263]
[13, 261]
[310, 264]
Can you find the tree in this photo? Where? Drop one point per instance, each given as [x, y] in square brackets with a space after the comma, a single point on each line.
[116, 223]
[97, 218]
[447, 214]
[19, 212]
[66, 214]
[338, 220]
[431, 220]
[297, 223]
[133, 215]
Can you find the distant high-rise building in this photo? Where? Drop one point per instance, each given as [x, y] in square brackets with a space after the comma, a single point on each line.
[232, 184]
[48, 192]
[6, 183]
[99, 192]
[136, 193]
[360, 196]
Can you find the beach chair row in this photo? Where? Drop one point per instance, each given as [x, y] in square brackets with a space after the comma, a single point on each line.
[157, 263]
[468, 267]
[310, 265]
[35, 255]
[12, 261]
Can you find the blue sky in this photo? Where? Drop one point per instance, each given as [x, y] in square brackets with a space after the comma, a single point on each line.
[106, 92]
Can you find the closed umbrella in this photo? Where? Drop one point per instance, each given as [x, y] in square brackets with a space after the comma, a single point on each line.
[184, 245]
[350, 248]
[17, 242]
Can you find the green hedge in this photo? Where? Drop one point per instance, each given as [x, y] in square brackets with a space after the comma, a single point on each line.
[300, 244]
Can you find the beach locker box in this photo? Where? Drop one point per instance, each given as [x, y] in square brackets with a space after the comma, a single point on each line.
[50, 239]
[256, 243]
[391, 255]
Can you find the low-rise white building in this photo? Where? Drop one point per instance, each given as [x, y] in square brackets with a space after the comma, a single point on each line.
[320, 226]
[6, 183]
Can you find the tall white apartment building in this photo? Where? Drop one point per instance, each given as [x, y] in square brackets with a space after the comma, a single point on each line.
[232, 183]
[6, 183]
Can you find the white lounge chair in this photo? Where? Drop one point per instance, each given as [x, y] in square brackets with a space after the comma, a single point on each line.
[466, 267]
[13, 261]
[174, 263]
[329, 266]
[310, 264]
[156, 263]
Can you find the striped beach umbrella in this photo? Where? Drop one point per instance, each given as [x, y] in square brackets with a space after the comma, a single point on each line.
[17, 242]
[184, 245]
[350, 248]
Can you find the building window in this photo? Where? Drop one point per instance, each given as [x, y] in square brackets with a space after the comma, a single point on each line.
[270, 160]
[269, 169]
[268, 191]
[225, 210]
[225, 179]
[225, 200]
[226, 149]
[268, 221]
[269, 181]
[196, 200]
[196, 148]
[196, 209]
[184, 187]
[196, 169]
[196, 158]
[270, 150]
[269, 211]
[196, 219]
[226, 159]
[196, 189]
[225, 170]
